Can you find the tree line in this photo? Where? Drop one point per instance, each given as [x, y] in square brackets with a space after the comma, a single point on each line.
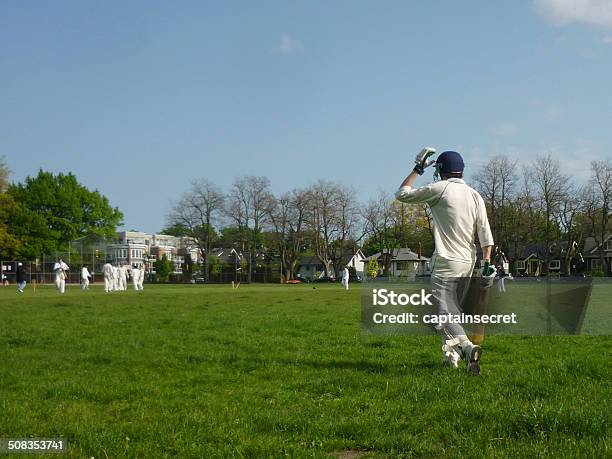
[41, 215]
[526, 203]
[529, 203]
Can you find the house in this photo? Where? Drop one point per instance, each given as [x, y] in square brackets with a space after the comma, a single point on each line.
[591, 254]
[310, 267]
[140, 249]
[533, 256]
[225, 257]
[404, 263]
[357, 262]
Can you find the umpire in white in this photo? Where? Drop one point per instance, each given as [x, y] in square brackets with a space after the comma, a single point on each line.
[458, 214]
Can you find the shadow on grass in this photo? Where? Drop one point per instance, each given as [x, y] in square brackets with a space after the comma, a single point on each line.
[391, 368]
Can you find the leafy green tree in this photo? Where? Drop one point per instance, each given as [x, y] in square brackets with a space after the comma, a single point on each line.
[51, 210]
[9, 244]
[372, 268]
[231, 236]
[177, 230]
[163, 268]
[4, 174]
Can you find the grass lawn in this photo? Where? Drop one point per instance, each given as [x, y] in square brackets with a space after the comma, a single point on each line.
[272, 371]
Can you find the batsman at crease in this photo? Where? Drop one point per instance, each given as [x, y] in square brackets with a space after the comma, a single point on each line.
[458, 214]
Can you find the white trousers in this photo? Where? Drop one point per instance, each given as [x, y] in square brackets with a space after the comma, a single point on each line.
[108, 284]
[501, 284]
[345, 283]
[60, 283]
[85, 284]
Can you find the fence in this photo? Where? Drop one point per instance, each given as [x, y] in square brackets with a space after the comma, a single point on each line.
[41, 271]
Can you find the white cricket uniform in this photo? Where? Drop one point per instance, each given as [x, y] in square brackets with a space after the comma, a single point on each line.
[85, 275]
[122, 278]
[458, 214]
[115, 278]
[135, 277]
[141, 279]
[60, 269]
[107, 269]
[345, 278]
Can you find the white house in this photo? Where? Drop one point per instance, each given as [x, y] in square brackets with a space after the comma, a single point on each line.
[403, 263]
[310, 267]
[133, 248]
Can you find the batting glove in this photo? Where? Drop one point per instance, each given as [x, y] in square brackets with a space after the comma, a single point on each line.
[488, 274]
[422, 160]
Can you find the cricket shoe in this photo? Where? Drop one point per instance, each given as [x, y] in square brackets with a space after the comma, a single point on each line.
[452, 358]
[471, 354]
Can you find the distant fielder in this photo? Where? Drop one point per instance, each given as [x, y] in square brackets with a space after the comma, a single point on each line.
[501, 281]
[21, 277]
[107, 270]
[141, 278]
[135, 276]
[115, 278]
[458, 213]
[345, 278]
[61, 269]
[122, 277]
[85, 275]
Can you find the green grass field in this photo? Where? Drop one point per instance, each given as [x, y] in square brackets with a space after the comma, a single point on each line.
[274, 371]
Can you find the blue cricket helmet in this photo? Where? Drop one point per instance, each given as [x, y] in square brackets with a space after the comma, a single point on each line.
[449, 162]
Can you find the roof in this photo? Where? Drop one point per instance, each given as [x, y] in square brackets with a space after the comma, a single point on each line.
[307, 260]
[225, 255]
[400, 254]
[593, 243]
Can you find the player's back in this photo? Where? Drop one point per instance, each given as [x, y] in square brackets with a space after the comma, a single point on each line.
[456, 216]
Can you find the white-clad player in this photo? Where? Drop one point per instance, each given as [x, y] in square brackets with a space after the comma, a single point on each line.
[61, 271]
[458, 214]
[345, 278]
[85, 275]
[107, 269]
[135, 276]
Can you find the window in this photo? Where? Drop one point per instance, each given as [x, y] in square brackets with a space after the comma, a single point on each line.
[520, 264]
[608, 245]
[554, 264]
[595, 263]
[404, 266]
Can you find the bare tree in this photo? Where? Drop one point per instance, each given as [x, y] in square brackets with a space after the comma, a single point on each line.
[552, 186]
[250, 205]
[569, 209]
[198, 211]
[496, 181]
[378, 222]
[332, 218]
[602, 178]
[288, 218]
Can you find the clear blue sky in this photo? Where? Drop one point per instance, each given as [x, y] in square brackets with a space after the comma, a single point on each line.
[138, 98]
